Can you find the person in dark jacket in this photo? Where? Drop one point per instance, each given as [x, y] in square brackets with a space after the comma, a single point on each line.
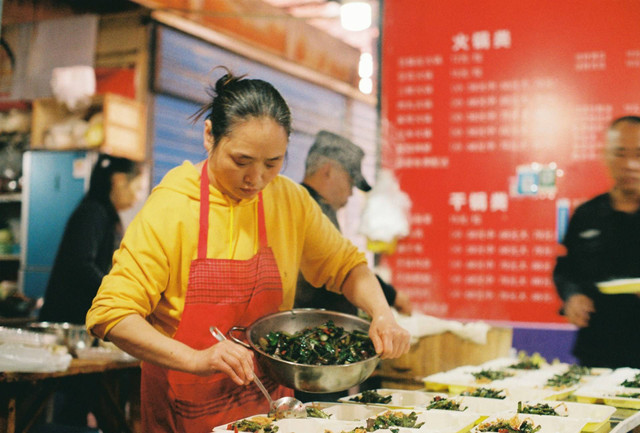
[332, 170]
[602, 244]
[92, 234]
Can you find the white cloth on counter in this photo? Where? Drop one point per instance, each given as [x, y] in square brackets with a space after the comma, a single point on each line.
[421, 325]
[29, 359]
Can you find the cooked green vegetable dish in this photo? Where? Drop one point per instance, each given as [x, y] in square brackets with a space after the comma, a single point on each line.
[569, 377]
[485, 392]
[388, 420]
[326, 344]
[629, 395]
[506, 426]
[444, 404]
[526, 364]
[370, 396]
[314, 412]
[252, 426]
[632, 383]
[491, 374]
[537, 409]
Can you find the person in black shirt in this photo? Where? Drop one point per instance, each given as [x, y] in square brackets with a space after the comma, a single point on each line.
[603, 243]
[91, 236]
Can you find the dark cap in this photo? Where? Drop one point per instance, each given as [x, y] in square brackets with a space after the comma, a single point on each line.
[342, 150]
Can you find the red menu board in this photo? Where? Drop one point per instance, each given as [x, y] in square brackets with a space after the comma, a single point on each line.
[493, 118]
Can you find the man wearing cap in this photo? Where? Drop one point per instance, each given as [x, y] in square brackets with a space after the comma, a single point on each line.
[332, 169]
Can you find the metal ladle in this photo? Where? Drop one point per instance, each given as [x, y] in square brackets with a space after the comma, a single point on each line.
[285, 407]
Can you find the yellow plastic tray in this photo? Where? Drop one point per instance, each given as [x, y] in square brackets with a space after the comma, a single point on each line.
[618, 287]
[627, 403]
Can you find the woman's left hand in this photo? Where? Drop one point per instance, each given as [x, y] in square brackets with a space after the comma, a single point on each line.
[389, 338]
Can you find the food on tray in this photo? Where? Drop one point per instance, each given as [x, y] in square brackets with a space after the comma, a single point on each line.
[633, 383]
[370, 396]
[326, 344]
[490, 375]
[389, 419]
[513, 425]
[629, 395]
[538, 409]
[525, 362]
[486, 393]
[444, 403]
[314, 412]
[258, 424]
[570, 377]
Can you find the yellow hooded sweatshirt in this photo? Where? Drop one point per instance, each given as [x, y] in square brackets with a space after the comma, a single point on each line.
[151, 269]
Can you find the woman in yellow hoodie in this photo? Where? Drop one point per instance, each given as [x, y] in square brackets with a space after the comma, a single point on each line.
[220, 243]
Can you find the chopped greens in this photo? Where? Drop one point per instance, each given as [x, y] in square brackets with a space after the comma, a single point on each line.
[247, 425]
[444, 404]
[537, 409]
[485, 392]
[389, 420]
[629, 395]
[632, 383]
[569, 377]
[314, 412]
[370, 396]
[490, 375]
[526, 362]
[514, 425]
[326, 344]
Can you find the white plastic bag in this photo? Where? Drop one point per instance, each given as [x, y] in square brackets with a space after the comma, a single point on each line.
[386, 213]
[74, 86]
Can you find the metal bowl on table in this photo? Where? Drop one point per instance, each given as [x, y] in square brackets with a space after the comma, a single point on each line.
[74, 337]
[305, 377]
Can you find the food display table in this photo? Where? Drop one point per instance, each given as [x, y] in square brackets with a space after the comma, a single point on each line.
[24, 396]
[542, 398]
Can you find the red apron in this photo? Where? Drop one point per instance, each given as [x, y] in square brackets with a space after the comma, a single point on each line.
[224, 293]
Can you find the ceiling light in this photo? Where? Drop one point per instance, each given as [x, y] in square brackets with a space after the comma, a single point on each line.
[366, 85]
[355, 15]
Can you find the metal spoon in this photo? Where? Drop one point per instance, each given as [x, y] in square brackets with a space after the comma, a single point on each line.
[285, 407]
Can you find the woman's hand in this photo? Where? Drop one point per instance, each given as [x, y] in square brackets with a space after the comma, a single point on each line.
[389, 339]
[226, 357]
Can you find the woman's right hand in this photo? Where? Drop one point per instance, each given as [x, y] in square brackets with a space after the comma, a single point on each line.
[226, 357]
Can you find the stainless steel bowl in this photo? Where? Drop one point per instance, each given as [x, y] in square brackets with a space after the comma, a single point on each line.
[73, 336]
[304, 377]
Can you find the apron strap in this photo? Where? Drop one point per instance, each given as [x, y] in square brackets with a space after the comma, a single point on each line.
[204, 215]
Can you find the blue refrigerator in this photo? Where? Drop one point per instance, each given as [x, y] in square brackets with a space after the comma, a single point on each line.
[53, 184]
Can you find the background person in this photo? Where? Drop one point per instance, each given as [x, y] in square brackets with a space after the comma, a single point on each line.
[221, 243]
[92, 233]
[603, 243]
[333, 168]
